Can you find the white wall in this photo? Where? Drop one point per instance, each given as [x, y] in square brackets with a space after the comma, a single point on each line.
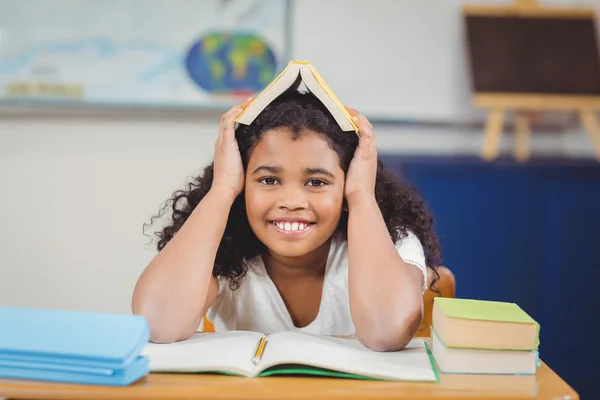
[74, 197]
[76, 190]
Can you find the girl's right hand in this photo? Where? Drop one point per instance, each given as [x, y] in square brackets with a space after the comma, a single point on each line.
[228, 175]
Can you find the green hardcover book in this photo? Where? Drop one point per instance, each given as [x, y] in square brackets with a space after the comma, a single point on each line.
[481, 324]
[252, 354]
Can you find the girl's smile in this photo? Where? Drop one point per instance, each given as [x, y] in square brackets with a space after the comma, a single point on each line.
[292, 227]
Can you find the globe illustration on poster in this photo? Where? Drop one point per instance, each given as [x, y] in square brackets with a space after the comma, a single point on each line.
[231, 63]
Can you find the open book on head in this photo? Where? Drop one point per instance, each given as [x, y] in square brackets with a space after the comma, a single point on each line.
[253, 354]
[295, 73]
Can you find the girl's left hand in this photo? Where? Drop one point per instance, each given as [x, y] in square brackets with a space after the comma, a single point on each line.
[360, 179]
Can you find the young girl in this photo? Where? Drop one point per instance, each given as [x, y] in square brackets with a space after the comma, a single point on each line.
[295, 226]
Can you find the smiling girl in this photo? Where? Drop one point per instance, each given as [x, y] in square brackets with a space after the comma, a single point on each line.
[295, 226]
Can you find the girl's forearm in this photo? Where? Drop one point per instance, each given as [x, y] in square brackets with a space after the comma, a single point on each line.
[173, 289]
[385, 292]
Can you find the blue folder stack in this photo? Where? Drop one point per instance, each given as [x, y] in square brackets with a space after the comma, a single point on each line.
[72, 346]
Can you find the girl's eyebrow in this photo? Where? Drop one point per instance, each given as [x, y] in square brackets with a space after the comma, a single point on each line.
[322, 171]
[267, 168]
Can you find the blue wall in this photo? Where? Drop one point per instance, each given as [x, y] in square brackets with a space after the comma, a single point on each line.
[525, 233]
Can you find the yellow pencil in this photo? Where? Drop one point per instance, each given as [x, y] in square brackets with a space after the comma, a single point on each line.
[259, 350]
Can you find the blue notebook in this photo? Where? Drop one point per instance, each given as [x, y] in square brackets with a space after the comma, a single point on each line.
[72, 346]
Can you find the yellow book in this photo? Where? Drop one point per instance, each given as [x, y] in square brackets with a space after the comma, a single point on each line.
[293, 74]
[479, 324]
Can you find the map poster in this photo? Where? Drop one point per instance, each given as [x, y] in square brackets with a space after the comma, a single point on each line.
[140, 52]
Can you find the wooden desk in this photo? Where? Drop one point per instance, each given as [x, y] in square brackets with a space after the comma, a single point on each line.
[544, 385]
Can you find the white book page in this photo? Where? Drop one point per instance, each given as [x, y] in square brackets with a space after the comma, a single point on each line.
[226, 351]
[348, 355]
[315, 88]
[266, 97]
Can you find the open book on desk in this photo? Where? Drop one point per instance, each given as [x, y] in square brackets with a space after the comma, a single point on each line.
[253, 354]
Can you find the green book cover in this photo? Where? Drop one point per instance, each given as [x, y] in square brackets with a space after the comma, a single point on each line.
[485, 310]
[307, 370]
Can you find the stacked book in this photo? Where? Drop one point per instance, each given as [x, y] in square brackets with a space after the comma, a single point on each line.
[483, 337]
[72, 346]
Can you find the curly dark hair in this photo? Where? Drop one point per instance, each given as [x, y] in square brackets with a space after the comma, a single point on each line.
[400, 205]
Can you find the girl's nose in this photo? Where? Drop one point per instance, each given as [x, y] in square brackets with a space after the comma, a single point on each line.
[292, 198]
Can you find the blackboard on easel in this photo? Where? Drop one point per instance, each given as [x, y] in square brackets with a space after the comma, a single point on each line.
[526, 57]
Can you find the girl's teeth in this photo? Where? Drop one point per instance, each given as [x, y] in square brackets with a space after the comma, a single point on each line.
[291, 227]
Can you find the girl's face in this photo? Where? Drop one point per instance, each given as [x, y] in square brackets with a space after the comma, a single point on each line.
[294, 192]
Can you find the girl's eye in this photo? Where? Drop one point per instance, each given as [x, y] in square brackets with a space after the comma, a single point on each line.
[268, 181]
[316, 182]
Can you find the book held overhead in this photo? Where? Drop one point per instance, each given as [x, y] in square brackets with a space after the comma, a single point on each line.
[295, 73]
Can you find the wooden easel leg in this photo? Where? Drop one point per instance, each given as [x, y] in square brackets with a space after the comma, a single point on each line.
[590, 123]
[493, 131]
[521, 149]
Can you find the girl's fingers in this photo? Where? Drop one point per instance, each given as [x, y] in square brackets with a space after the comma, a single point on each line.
[226, 129]
[365, 128]
[366, 145]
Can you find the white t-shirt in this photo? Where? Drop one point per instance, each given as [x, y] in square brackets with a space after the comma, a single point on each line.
[257, 305]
